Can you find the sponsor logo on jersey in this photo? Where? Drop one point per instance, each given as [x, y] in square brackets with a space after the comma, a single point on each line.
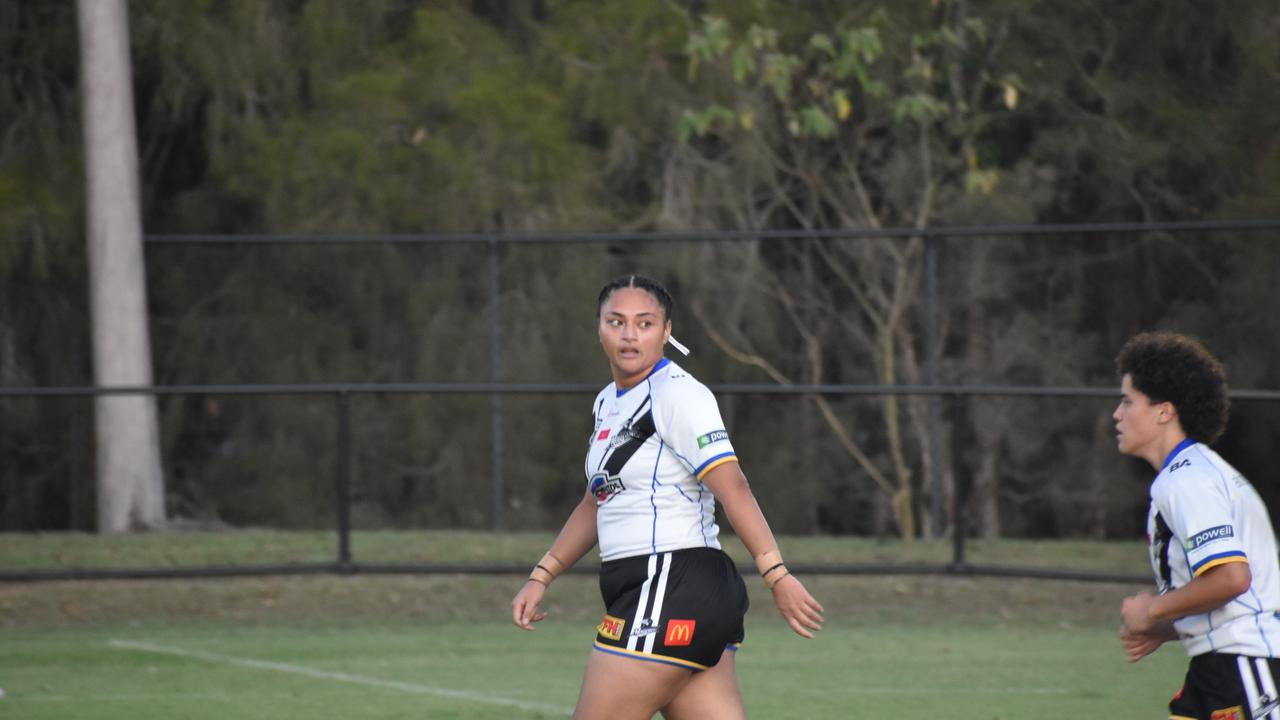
[611, 627]
[604, 487]
[679, 632]
[1179, 464]
[1222, 532]
[646, 628]
[1232, 713]
[1266, 705]
[712, 437]
[604, 435]
[624, 436]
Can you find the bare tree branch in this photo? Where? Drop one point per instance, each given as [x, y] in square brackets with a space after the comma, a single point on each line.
[747, 357]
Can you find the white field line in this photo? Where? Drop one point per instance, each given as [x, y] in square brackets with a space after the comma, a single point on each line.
[916, 690]
[339, 677]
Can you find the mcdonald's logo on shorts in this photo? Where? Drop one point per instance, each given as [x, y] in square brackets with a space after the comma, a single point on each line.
[679, 632]
[1231, 713]
[611, 627]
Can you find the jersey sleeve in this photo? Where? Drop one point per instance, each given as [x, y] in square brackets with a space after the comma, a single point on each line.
[1198, 511]
[691, 425]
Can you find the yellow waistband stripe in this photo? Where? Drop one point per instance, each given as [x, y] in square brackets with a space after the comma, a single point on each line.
[648, 656]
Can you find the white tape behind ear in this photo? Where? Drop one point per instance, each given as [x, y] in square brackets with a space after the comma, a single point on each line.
[676, 344]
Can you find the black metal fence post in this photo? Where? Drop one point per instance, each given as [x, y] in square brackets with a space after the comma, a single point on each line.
[342, 478]
[495, 400]
[960, 494]
[931, 354]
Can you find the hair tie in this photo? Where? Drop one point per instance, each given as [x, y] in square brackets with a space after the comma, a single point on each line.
[676, 344]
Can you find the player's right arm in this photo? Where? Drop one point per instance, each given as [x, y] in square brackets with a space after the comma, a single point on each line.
[576, 537]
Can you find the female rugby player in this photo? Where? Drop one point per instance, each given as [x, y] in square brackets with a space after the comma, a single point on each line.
[658, 460]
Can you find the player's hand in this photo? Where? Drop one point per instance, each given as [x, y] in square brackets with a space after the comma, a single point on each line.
[798, 608]
[1135, 613]
[1139, 645]
[524, 606]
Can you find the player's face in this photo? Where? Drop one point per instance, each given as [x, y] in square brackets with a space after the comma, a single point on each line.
[1137, 419]
[633, 328]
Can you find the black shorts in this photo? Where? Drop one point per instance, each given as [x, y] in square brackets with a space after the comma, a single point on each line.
[1220, 686]
[683, 607]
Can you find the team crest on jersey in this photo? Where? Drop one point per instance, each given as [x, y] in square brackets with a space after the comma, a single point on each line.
[1231, 713]
[611, 627]
[712, 437]
[604, 486]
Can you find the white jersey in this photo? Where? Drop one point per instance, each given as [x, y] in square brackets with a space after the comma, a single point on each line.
[651, 447]
[1204, 514]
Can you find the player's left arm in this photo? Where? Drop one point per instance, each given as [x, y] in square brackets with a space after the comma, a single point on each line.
[1208, 591]
[801, 611]
[1138, 645]
[1198, 509]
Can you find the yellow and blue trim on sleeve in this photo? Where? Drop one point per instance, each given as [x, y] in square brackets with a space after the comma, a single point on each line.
[1214, 561]
[714, 463]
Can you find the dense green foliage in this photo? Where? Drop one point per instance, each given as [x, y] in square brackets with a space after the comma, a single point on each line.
[551, 116]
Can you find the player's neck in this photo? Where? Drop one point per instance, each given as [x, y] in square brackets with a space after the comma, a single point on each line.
[1165, 444]
[624, 381]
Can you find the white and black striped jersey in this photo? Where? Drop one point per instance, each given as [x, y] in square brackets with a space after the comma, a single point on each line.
[1203, 514]
[649, 449]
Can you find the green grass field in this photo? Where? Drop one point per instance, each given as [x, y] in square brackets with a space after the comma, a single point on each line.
[954, 648]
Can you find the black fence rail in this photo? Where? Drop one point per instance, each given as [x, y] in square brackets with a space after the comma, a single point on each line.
[368, 568]
[344, 563]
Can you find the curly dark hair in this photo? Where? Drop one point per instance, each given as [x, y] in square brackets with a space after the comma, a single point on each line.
[1175, 368]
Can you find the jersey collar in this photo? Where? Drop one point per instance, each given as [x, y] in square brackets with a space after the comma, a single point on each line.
[665, 361]
[1186, 443]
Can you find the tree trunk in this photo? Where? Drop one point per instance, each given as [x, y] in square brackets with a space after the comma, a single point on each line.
[988, 425]
[130, 483]
[986, 486]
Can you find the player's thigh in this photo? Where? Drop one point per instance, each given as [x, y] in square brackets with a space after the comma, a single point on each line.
[616, 687]
[712, 694]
